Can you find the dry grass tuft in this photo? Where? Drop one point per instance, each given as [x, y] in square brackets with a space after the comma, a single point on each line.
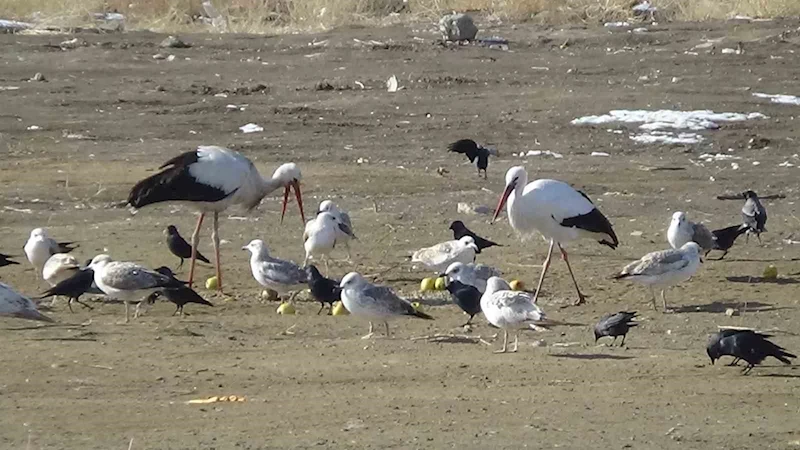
[269, 16]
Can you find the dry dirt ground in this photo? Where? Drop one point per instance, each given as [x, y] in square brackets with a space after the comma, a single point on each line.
[109, 114]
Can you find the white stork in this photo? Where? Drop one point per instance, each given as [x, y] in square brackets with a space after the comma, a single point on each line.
[557, 211]
[211, 179]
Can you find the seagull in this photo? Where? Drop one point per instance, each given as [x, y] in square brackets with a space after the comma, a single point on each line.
[460, 230]
[59, 267]
[558, 212]
[4, 261]
[277, 274]
[321, 235]
[178, 246]
[77, 284]
[324, 290]
[127, 281]
[179, 295]
[615, 325]
[378, 303]
[682, 230]
[754, 214]
[506, 309]
[466, 297]
[748, 345]
[211, 179]
[14, 304]
[474, 275]
[664, 268]
[40, 247]
[440, 256]
[473, 151]
[344, 218]
[725, 237]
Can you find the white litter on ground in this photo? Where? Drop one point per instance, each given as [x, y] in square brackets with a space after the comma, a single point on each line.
[616, 24]
[667, 137]
[717, 157]
[780, 98]
[251, 128]
[541, 153]
[600, 154]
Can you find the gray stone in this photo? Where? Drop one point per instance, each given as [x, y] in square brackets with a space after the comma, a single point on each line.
[457, 27]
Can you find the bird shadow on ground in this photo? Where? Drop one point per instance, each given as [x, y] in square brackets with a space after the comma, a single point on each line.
[780, 375]
[748, 279]
[753, 260]
[40, 327]
[66, 339]
[721, 307]
[592, 356]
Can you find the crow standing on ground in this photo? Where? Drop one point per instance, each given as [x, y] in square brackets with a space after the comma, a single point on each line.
[460, 230]
[180, 294]
[73, 287]
[179, 247]
[324, 290]
[748, 345]
[615, 325]
[473, 151]
[725, 237]
[4, 261]
[467, 297]
[754, 214]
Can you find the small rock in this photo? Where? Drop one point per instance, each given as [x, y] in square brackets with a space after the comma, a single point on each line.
[159, 56]
[173, 42]
[457, 27]
[539, 343]
[38, 77]
[730, 312]
[466, 208]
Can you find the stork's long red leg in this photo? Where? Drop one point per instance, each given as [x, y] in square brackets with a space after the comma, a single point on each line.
[215, 238]
[581, 298]
[195, 241]
[544, 270]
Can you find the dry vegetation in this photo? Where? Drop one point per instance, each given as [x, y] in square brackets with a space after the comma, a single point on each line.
[259, 16]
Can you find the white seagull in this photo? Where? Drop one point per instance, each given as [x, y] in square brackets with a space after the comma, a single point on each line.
[321, 236]
[40, 247]
[127, 281]
[379, 303]
[59, 267]
[556, 210]
[474, 275]
[682, 230]
[211, 179]
[506, 309]
[14, 304]
[279, 275]
[342, 236]
[440, 256]
[663, 268]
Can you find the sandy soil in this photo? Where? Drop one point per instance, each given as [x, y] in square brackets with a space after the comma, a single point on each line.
[88, 383]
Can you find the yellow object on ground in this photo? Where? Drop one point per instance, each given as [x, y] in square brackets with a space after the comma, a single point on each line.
[215, 399]
[339, 309]
[428, 284]
[439, 284]
[770, 272]
[212, 283]
[517, 285]
[286, 308]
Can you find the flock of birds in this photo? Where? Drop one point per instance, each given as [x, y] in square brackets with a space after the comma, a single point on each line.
[211, 179]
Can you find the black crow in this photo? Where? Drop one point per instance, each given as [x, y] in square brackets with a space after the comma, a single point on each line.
[754, 214]
[747, 345]
[473, 151]
[467, 297]
[324, 290]
[73, 287]
[180, 295]
[179, 247]
[166, 271]
[4, 261]
[725, 237]
[460, 230]
[615, 325]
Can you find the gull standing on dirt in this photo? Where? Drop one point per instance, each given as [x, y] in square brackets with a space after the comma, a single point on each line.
[460, 230]
[615, 325]
[378, 303]
[474, 275]
[211, 179]
[127, 281]
[5, 261]
[663, 269]
[682, 230]
[178, 246]
[40, 247]
[343, 217]
[558, 212]
[754, 214]
[73, 287]
[440, 256]
[280, 275]
[14, 304]
[506, 309]
[321, 236]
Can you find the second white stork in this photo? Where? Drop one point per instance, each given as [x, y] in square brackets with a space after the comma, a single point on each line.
[211, 179]
[556, 210]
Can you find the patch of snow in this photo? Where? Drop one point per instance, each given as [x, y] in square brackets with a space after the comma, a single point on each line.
[251, 128]
[542, 153]
[667, 137]
[717, 157]
[616, 24]
[779, 98]
[665, 118]
[786, 164]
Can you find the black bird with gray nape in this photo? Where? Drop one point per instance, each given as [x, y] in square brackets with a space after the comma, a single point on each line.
[460, 230]
[324, 290]
[615, 325]
[754, 215]
[179, 247]
[748, 345]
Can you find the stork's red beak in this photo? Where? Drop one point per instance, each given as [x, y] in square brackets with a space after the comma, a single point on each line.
[502, 202]
[299, 196]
